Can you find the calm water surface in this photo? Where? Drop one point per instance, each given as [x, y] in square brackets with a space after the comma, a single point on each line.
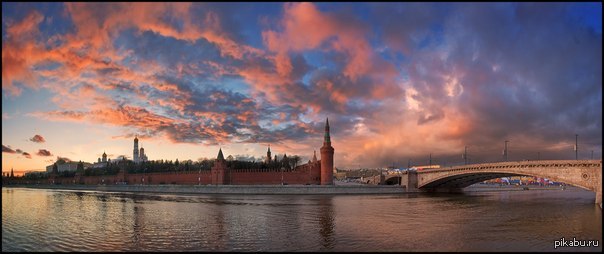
[51, 220]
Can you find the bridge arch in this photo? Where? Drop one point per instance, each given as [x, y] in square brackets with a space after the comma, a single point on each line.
[393, 180]
[465, 180]
[586, 174]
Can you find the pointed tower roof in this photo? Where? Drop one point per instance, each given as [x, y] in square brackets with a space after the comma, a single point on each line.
[269, 148]
[135, 137]
[327, 138]
[314, 157]
[220, 156]
[104, 154]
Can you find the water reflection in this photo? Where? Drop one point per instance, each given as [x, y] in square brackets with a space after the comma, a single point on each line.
[326, 220]
[46, 220]
[216, 240]
[138, 227]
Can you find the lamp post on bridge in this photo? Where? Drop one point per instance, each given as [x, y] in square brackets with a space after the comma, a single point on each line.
[505, 150]
[576, 147]
[465, 155]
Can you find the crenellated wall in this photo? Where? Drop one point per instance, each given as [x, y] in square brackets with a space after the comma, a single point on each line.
[303, 174]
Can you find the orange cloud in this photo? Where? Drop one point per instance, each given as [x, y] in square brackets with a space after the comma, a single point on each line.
[305, 27]
[20, 52]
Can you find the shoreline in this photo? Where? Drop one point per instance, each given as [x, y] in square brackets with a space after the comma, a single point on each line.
[230, 189]
[266, 189]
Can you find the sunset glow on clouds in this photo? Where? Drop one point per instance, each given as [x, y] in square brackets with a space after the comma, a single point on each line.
[398, 81]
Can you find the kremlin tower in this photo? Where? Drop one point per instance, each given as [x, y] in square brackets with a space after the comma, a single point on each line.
[268, 154]
[327, 158]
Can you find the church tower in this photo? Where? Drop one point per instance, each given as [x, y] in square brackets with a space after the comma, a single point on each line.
[327, 158]
[268, 154]
[104, 157]
[135, 152]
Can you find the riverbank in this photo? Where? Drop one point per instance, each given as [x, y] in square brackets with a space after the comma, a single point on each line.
[494, 187]
[273, 189]
[231, 189]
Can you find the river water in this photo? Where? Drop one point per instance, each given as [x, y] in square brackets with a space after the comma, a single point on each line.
[54, 220]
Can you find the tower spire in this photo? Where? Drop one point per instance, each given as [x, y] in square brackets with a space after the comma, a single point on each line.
[327, 139]
[220, 156]
[268, 154]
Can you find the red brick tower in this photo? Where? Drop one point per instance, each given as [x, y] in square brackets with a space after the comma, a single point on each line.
[327, 158]
[219, 170]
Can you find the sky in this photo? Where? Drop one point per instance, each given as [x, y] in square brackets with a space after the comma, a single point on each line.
[399, 82]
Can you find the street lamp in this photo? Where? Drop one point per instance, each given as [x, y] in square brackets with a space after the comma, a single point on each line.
[465, 155]
[282, 175]
[576, 147]
[505, 150]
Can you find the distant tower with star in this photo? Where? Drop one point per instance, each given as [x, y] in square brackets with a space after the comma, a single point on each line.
[327, 158]
[268, 155]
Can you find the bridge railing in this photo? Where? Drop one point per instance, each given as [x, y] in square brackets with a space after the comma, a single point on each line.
[521, 164]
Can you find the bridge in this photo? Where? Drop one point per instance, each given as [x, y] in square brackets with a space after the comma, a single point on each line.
[586, 174]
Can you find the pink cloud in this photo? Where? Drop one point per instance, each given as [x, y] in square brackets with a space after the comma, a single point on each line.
[38, 139]
[305, 27]
[43, 152]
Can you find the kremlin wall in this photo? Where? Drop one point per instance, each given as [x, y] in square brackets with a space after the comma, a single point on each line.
[313, 173]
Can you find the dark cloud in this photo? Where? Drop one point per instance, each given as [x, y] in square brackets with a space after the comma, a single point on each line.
[43, 152]
[63, 158]
[38, 139]
[6, 149]
[27, 155]
[19, 151]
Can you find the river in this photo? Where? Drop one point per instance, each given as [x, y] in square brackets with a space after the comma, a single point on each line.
[55, 220]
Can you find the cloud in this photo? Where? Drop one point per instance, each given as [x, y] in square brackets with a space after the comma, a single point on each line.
[27, 155]
[6, 149]
[43, 152]
[397, 80]
[38, 139]
[16, 49]
[63, 158]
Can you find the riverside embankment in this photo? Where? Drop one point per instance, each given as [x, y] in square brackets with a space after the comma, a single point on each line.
[231, 189]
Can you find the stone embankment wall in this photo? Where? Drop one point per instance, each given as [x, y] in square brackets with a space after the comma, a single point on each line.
[237, 189]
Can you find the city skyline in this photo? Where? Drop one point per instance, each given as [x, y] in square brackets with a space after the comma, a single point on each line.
[397, 81]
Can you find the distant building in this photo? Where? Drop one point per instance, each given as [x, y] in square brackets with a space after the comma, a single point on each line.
[138, 156]
[67, 166]
[101, 163]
